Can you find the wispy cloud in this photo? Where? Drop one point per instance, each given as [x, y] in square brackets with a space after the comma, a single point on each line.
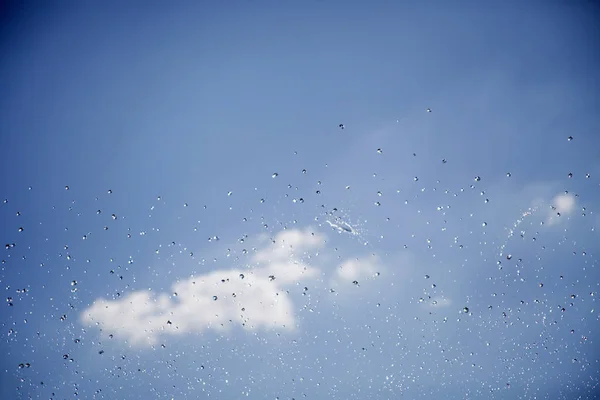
[356, 269]
[562, 205]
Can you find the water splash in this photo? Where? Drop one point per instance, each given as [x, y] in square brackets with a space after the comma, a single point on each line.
[341, 226]
[511, 231]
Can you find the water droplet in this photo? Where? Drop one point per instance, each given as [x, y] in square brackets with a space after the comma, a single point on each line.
[341, 126]
[73, 283]
[275, 175]
[109, 191]
[570, 138]
[21, 229]
[587, 176]
[114, 216]
[66, 187]
[304, 171]
[379, 151]
[444, 161]
[570, 175]
[508, 174]
[466, 310]
[242, 276]
[484, 224]
[215, 298]
[416, 178]
[477, 178]
[429, 110]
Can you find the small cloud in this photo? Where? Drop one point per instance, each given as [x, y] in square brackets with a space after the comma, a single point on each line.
[440, 302]
[217, 300]
[357, 269]
[562, 205]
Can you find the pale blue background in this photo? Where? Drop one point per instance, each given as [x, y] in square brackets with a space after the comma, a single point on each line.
[195, 99]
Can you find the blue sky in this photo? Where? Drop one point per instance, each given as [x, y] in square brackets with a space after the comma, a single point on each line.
[189, 220]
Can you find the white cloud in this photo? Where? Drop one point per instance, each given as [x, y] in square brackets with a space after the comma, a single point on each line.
[440, 302]
[356, 270]
[255, 301]
[562, 205]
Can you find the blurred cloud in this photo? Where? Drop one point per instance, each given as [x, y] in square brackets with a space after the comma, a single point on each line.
[253, 299]
[562, 205]
[356, 269]
[440, 302]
